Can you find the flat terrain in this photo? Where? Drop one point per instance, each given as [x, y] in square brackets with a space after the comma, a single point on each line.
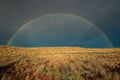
[59, 63]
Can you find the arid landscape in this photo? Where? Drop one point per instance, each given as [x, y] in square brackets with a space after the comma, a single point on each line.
[59, 63]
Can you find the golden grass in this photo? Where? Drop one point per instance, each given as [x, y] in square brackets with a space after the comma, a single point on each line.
[59, 63]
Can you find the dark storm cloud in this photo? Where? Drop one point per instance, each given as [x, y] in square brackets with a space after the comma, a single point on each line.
[103, 13]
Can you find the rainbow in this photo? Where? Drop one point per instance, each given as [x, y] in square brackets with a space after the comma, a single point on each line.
[72, 15]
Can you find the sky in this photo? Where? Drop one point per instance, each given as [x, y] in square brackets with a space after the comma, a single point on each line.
[103, 13]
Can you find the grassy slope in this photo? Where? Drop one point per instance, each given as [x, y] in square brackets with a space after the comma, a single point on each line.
[61, 63]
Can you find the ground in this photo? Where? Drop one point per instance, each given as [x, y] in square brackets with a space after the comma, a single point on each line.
[59, 63]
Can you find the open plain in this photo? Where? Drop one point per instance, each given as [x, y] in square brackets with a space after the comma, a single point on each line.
[59, 63]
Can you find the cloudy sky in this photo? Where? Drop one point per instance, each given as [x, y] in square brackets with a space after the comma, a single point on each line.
[102, 13]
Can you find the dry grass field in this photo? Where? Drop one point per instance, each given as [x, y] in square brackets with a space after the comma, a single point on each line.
[59, 63]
